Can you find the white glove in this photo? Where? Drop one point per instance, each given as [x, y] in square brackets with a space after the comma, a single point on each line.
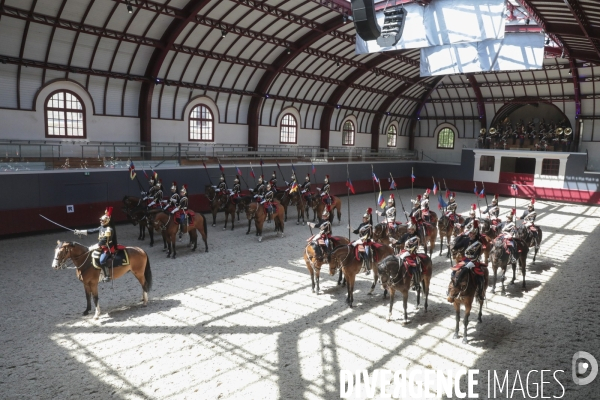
[145, 198]
[218, 190]
[311, 224]
[175, 210]
[262, 202]
[252, 190]
[319, 189]
[143, 193]
[323, 194]
[287, 183]
[94, 247]
[151, 204]
[255, 196]
[303, 191]
[80, 232]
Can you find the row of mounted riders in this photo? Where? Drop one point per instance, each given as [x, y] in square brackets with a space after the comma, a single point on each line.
[393, 247]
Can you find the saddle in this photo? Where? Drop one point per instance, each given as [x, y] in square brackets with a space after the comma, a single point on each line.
[393, 225]
[533, 228]
[270, 204]
[478, 270]
[328, 196]
[428, 228]
[119, 257]
[190, 217]
[361, 248]
[411, 262]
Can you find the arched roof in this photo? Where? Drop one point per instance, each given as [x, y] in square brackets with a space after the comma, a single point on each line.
[149, 63]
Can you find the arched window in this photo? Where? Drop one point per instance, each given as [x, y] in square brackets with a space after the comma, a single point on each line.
[202, 124]
[446, 139]
[392, 135]
[289, 129]
[65, 115]
[348, 134]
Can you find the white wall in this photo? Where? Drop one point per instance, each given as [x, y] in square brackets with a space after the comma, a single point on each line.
[593, 150]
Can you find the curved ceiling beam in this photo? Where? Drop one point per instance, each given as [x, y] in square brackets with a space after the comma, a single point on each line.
[156, 61]
[584, 24]
[380, 113]
[478, 95]
[577, 89]
[417, 113]
[278, 65]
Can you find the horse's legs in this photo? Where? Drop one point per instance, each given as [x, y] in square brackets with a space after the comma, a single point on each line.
[232, 219]
[339, 215]
[141, 235]
[142, 280]
[405, 305]
[392, 292]
[522, 261]
[194, 239]
[457, 310]
[88, 298]
[350, 282]
[165, 244]
[249, 226]
[340, 278]
[466, 322]
[172, 237]
[318, 277]
[480, 311]
[226, 219]
[418, 295]
[214, 213]
[514, 268]
[442, 244]
[151, 234]
[495, 278]
[96, 301]
[425, 284]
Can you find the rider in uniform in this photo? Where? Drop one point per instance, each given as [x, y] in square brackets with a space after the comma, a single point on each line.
[390, 213]
[411, 230]
[158, 194]
[273, 181]
[529, 216]
[468, 238]
[173, 200]
[292, 180]
[507, 229]
[324, 233]
[365, 233]
[236, 190]
[411, 246]
[451, 208]
[305, 187]
[268, 200]
[493, 211]
[325, 191]
[149, 195]
[222, 186]
[425, 206]
[471, 218]
[416, 207]
[259, 191]
[107, 240]
[471, 260]
[183, 206]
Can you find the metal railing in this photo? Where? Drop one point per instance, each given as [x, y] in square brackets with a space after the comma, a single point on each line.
[21, 150]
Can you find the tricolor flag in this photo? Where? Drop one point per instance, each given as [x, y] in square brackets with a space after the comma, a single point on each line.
[261, 161]
[221, 168]
[144, 171]
[238, 171]
[252, 172]
[154, 174]
[381, 200]
[447, 193]
[412, 177]
[435, 190]
[293, 169]
[375, 178]
[392, 185]
[475, 190]
[441, 202]
[350, 186]
[131, 170]
[514, 188]
[294, 187]
[482, 193]
[314, 170]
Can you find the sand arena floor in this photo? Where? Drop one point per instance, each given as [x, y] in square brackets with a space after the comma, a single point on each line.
[240, 322]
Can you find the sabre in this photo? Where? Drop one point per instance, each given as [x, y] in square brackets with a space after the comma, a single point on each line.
[57, 224]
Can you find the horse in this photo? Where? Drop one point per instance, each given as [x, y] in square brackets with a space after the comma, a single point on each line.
[464, 292]
[301, 205]
[257, 212]
[221, 202]
[314, 264]
[500, 260]
[383, 234]
[318, 206]
[344, 257]
[89, 275]
[446, 229]
[136, 214]
[531, 236]
[397, 277]
[458, 253]
[166, 223]
[284, 199]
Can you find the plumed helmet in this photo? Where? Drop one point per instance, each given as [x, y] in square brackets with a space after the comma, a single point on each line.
[237, 179]
[151, 181]
[326, 178]
[260, 179]
[495, 199]
[475, 229]
[530, 206]
[419, 198]
[269, 186]
[473, 208]
[184, 188]
[368, 213]
[293, 176]
[105, 219]
[326, 211]
[426, 194]
[222, 177]
[307, 177]
[452, 196]
[274, 175]
[392, 200]
[174, 186]
[473, 251]
[412, 244]
[158, 183]
[509, 216]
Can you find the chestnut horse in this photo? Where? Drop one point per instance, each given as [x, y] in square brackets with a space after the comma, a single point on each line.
[383, 234]
[256, 212]
[344, 257]
[218, 202]
[301, 205]
[316, 203]
[135, 209]
[397, 277]
[464, 293]
[168, 226]
[446, 229]
[314, 264]
[500, 260]
[81, 257]
[284, 199]
[532, 236]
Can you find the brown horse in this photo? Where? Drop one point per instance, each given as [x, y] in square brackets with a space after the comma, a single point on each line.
[500, 260]
[464, 293]
[221, 202]
[344, 257]
[446, 229]
[81, 257]
[383, 234]
[284, 199]
[397, 277]
[256, 212]
[136, 213]
[316, 203]
[301, 205]
[166, 224]
[532, 236]
[427, 235]
[314, 264]
[459, 245]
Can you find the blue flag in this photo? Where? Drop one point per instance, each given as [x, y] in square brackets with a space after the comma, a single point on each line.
[441, 202]
[392, 185]
[482, 193]
[375, 178]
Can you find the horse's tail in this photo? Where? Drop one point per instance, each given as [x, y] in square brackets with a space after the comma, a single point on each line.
[204, 225]
[147, 275]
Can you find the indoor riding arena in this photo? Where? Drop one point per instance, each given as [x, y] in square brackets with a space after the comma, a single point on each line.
[284, 199]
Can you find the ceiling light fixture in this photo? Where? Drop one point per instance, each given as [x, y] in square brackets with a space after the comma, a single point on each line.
[289, 51]
[527, 21]
[223, 33]
[547, 41]
[129, 7]
[345, 17]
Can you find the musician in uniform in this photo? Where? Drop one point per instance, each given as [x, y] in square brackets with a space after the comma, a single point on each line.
[107, 240]
[325, 191]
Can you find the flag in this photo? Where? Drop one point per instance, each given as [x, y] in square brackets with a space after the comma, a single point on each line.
[131, 170]
[221, 168]
[434, 189]
[412, 177]
[294, 187]
[293, 169]
[441, 202]
[145, 174]
[238, 171]
[261, 162]
[475, 190]
[514, 188]
[447, 193]
[314, 170]
[375, 178]
[482, 193]
[392, 185]
[252, 172]
[381, 200]
[278, 165]
[350, 186]
[203, 163]
[154, 174]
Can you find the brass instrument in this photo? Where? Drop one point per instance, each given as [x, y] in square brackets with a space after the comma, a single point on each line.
[482, 131]
[568, 131]
[492, 131]
[558, 131]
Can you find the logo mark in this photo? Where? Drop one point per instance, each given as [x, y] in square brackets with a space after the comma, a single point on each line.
[580, 364]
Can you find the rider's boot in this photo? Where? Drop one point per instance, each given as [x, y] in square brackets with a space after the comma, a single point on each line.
[106, 272]
[480, 292]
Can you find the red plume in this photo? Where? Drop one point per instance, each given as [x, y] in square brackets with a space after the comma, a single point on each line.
[327, 176]
[453, 194]
[532, 201]
[108, 211]
[473, 206]
[514, 211]
[496, 196]
[413, 220]
[419, 198]
[369, 210]
[391, 195]
[428, 191]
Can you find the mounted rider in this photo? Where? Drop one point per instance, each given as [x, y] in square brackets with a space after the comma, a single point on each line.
[221, 188]
[323, 236]
[326, 197]
[260, 189]
[158, 194]
[507, 231]
[471, 263]
[493, 211]
[305, 187]
[149, 195]
[173, 200]
[471, 236]
[273, 181]
[451, 208]
[365, 233]
[425, 206]
[183, 206]
[416, 210]
[411, 231]
[267, 202]
[107, 241]
[293, 180]
[236, 191]
[409, 256]
[468, 224]
[529, 216]
[390, 213]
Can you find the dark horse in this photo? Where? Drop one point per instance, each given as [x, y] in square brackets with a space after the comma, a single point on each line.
[500, 259]
[464, 292]
[136, 213]
[166, 224]
[318, 206]
[531, 235]
[314, 263]
[299, 200]
[81, 256]
[397, 277]
[383, 234]
[256, 212]
[220, 202]
[446, 229]
[344, 257]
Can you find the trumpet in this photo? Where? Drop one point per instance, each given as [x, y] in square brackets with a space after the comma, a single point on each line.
[482, 131]
[492, 131]
[559, 131]
[568, 131]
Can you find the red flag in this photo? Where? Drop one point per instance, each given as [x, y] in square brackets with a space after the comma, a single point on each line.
[350, 186]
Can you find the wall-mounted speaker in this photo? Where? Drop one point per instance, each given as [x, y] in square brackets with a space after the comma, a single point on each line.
[365, 22]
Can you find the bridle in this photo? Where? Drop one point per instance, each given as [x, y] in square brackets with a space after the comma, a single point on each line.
[340, 264]
[68, 256]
